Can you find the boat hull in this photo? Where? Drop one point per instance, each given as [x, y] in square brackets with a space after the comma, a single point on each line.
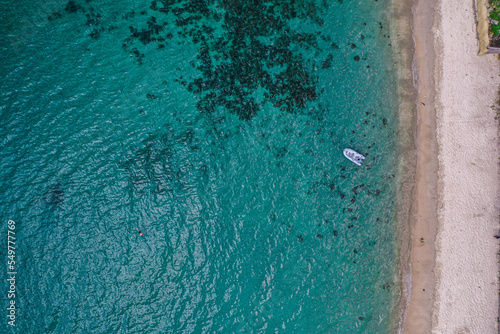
[354, 156]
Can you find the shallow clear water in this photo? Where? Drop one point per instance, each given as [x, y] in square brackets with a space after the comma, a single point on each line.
[217, 129]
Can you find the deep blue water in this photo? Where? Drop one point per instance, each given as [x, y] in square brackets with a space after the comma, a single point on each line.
[217, 129]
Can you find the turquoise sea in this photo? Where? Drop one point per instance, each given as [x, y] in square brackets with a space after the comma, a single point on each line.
[216, 128]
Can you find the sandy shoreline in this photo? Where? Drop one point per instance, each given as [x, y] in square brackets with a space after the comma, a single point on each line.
[455, 212]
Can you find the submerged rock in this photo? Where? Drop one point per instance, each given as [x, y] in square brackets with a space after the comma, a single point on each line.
[55, 195]
[72, 7]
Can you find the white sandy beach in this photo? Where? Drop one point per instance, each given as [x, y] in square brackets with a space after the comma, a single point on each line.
[454, 268]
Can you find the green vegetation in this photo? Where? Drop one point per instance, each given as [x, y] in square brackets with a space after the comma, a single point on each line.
[494, 17]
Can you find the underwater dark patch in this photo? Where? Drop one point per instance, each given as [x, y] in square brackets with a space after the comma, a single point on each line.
[236, 65]
[93, 17]
[54, 16]
[327, 63]
[72, 7]
[54, 196]
[148, 34]
[251, 62]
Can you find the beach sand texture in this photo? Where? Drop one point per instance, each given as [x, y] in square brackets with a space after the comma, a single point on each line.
[462, 283]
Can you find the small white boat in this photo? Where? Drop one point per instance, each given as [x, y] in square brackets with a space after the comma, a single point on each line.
[354, 156]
